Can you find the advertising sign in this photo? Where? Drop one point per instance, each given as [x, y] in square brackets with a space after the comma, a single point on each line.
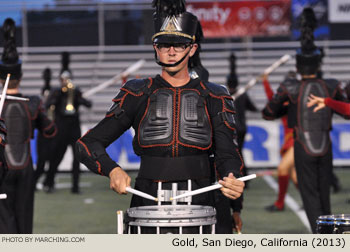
[339, 11]
[242, 18]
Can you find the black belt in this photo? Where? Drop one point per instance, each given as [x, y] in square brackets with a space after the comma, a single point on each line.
[175, 168]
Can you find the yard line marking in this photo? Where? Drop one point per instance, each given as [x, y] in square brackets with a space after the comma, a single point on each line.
[291, 203]
[64, 185]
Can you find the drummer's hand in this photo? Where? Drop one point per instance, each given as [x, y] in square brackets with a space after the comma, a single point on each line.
[237, 221]
[232, 188]
[119, 180]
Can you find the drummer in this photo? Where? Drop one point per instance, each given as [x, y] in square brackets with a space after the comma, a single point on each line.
[178, 121]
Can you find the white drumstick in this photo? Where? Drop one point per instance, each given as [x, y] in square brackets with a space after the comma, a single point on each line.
[4, 90]
[141, 194]
[3, 196]
[267, 71]
[120, 226]
[15, 98]
[210, 188]
[133, 68]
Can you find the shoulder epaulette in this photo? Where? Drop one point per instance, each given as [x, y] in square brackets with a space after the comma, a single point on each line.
[216, 89]
[136, 85]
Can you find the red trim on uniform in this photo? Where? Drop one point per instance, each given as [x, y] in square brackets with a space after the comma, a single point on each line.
[178, 122]
[240, 157]
[228, 126]
[150, 82]
[174, 122]
[123, 99]
[85, 147]
[99, 168]
[130, 92]
[196, 147]
[54, 132]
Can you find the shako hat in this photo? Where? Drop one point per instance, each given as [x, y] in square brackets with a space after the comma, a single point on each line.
[308, 57]
[10, 62]
[172, 23]
[65, 72]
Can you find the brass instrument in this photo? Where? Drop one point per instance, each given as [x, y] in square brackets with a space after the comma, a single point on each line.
[70, 90]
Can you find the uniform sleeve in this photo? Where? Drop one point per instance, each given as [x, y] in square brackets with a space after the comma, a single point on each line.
[227, 157]
[44, 124]
[82, 101]
[275, 108]
[91, 148]
[338, 106]
[268, 89]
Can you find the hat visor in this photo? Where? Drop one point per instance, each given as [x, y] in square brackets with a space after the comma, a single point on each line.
[171, 39]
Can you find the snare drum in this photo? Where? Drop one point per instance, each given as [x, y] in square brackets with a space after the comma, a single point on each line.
[333, 224]
[173, 219]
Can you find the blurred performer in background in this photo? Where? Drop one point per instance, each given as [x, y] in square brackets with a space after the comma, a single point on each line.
[334, 179]
[66, 101]
[44, 144]
[178, 121]
[286, 167]
[21, 119]
[312, 143]
[242, 104]
[225, 223]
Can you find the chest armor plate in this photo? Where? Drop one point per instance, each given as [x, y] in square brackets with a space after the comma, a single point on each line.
[175, 116]
[314, 126]
[17, 151]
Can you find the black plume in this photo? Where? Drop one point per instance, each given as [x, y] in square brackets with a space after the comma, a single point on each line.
[308, 24]
[233, 63]
[47, 76]
[9, 55]
[195, 59]
[47, 79]
[65, 60]
[169, 7]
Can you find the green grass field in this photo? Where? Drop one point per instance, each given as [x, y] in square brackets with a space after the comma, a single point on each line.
[94, 210]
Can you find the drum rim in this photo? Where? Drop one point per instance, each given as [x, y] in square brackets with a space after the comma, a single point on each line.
[166, 211]
[335, 217]
[173, 222]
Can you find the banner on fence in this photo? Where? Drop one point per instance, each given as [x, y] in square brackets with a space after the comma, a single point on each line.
[242, 18]
[261, 148]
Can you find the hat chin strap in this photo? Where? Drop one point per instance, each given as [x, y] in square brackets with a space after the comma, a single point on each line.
[169, 65]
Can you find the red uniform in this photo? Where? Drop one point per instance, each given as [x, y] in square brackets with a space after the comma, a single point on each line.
[338, 106]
